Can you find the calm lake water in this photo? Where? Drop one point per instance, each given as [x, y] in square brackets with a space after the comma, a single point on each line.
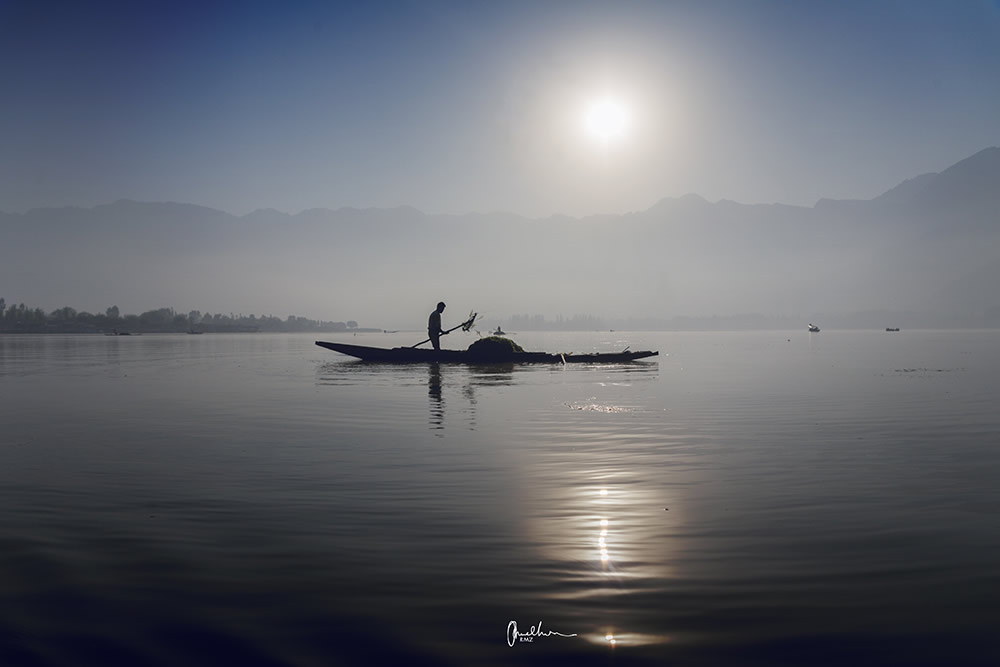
[750, 498]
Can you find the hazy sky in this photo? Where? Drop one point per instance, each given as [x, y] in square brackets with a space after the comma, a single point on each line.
[475, 106]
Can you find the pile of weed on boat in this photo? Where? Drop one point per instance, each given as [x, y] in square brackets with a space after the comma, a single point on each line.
[494, 348]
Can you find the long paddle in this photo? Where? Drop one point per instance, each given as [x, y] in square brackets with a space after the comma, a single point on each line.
[464, 326]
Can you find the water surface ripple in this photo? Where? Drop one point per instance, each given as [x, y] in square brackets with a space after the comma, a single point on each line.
[752, 498]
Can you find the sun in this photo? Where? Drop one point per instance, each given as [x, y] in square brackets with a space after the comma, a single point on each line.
[606, 119]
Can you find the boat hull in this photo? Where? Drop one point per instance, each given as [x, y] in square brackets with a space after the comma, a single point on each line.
[409, 355]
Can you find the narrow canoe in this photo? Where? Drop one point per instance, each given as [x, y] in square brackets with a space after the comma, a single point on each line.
[409, 355]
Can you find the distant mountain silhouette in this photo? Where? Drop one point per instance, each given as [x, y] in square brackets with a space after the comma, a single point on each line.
[967, 191]
[905, 191]
[924, 246]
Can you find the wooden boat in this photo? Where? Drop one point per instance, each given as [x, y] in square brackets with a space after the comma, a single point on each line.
[410, 355]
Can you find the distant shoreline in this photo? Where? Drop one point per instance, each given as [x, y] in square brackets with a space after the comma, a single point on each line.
[68, 320]
[138, 332]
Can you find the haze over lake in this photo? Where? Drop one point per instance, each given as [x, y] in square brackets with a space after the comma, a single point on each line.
[921, 254]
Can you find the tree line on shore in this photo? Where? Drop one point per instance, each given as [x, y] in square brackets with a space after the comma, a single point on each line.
[23, 319]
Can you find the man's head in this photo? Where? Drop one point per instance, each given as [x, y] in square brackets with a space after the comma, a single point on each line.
[440, 306]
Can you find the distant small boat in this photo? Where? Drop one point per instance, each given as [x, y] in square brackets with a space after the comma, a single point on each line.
[195, 333]
[892, 328]
[813, 328]
[116, 332]
[499, 332]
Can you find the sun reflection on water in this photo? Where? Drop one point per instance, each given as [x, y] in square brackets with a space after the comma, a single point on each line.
[613, 639]
[607, 527]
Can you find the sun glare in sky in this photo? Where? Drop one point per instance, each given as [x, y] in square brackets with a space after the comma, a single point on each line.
[606, 119]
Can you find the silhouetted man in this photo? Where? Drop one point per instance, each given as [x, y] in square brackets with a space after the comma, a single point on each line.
[434, 329]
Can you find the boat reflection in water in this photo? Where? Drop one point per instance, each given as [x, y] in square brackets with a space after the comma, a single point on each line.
[441, 380]
[440, 376]
[436, 399]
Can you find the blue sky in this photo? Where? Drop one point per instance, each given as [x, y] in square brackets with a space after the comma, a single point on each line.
[462, 106]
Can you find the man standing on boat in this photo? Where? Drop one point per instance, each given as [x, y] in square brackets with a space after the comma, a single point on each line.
[434, 329]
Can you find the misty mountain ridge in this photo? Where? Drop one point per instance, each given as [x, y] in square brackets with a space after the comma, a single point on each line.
[924, 246]
[906, 190]
[972, 178]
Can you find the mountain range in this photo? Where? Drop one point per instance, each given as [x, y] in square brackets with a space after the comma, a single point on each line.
[923, 253]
